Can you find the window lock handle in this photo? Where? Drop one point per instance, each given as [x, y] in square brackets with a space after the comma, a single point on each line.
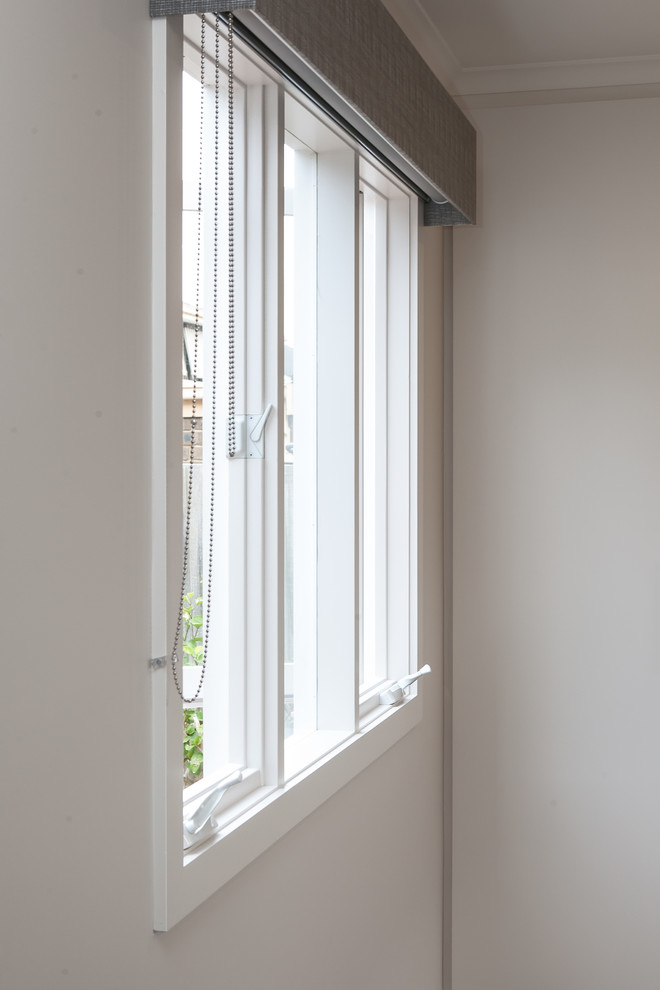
[257, 430]
[395, 694]
[201, 824]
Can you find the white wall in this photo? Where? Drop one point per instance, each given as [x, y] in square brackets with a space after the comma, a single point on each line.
[556, 869]
[351, 898]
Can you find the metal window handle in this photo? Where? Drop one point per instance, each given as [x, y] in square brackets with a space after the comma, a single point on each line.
[249, 434]
[201, 824]
[256, 432]
[395, 694]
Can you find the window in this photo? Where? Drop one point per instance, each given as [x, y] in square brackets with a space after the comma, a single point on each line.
[312, 594]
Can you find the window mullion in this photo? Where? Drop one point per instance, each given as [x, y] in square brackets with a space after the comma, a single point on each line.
[400, 452]
[238, 516]
[337, 466]
[374, 438]
[302, 522]
[269, 388]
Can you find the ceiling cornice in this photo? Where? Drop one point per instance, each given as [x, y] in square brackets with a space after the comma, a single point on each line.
[515, 85]
[604, 79]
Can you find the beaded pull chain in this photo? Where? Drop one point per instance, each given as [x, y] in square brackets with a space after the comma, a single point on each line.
[231, 355]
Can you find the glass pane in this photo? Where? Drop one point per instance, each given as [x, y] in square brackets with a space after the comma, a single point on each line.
[192, 645]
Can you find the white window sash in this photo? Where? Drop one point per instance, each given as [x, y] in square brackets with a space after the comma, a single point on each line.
[272, 798]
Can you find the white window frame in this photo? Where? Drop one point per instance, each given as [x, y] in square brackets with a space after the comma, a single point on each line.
[353, 730]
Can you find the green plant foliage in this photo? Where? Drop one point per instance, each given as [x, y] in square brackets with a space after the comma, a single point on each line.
[193, 741]
[192, 621]
[193, 718]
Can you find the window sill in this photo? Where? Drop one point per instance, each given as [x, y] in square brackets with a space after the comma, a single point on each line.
[306, 751]
[250, 826]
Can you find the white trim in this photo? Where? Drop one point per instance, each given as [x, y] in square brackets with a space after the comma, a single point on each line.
[574, 81]
[337, 642]
[167, 40]
[273, 474]
[559, 82]
[263, 805]
[209, 866]
[642, 91]
[302, 295]
[586, 73]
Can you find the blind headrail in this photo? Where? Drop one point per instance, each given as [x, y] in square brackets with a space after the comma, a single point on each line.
[357, 59]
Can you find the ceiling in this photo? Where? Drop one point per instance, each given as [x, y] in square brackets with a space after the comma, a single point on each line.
[487, 48]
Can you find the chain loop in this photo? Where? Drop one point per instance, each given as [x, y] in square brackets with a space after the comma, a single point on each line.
[198, 326]
[231, 354]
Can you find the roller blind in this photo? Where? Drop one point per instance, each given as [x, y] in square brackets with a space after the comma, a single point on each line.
[353, 54]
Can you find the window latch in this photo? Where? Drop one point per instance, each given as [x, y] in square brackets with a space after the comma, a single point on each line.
[201, 824]
[250, 434]
[395, 694]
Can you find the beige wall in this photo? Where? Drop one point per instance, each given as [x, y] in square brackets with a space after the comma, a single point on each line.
[350, 898]
[556, 869]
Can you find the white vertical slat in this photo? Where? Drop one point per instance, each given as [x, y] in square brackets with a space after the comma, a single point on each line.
[271, 468]
[252, 372]
[374, 437]
[305, 443]
[236, 520]
[399, 442]
[337, 439]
